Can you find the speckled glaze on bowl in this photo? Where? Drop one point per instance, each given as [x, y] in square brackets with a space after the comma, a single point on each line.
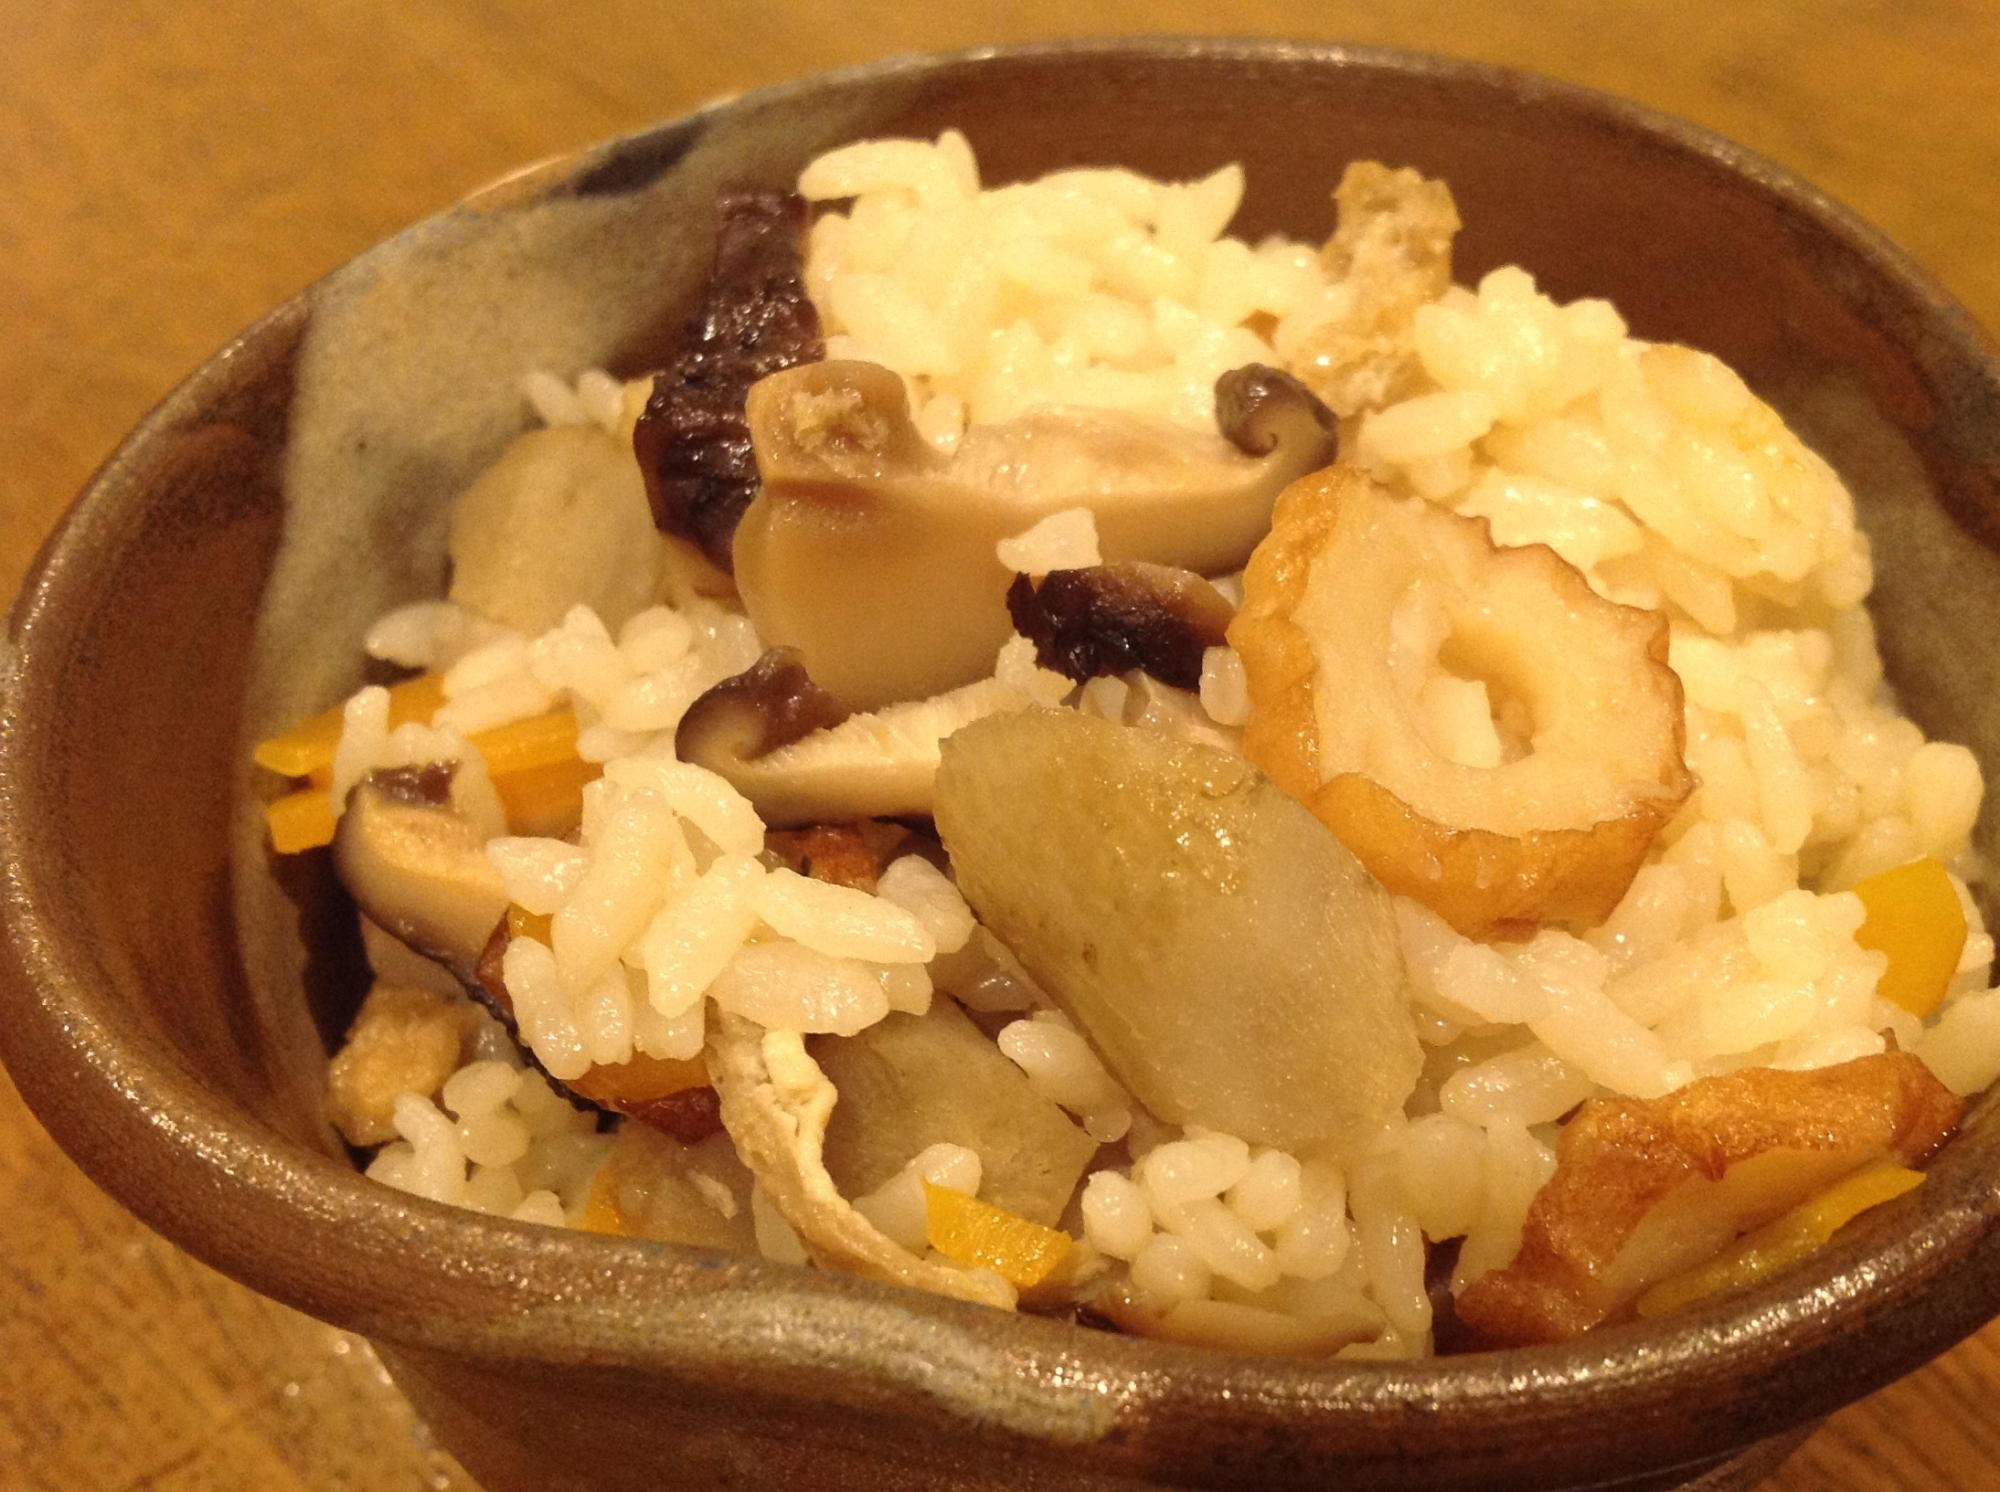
[166, 992]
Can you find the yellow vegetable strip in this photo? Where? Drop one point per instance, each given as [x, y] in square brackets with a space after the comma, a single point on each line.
[533, 764]
[300, 821]
[522, 923]
[601, 1213]
[977, 1234]
[1915, 917]
[1770, 1248]
[308, 746]
[542, 741]
[545, 800]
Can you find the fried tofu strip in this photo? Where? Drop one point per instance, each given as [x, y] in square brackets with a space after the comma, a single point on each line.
[1392, 253]
[1646, 1188]
[775, 1104]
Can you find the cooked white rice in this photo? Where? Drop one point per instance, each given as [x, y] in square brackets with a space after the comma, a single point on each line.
[1652, 469]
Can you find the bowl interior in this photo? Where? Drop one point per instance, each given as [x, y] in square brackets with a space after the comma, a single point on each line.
[171, 990]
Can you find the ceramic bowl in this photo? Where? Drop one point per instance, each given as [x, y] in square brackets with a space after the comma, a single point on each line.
[169, 991]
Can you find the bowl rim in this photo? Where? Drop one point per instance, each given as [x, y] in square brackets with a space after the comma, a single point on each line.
[124, 1105]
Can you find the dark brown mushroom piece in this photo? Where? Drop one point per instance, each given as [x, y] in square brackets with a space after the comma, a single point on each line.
[770, 704]
[875, 554]
[1111, 618]
[693, 440]
[1260, 408]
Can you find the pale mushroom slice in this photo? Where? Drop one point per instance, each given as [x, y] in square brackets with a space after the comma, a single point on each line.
[775, 1105]
[794, 752]
[1490, 736]
[417, 866]
[874, 554]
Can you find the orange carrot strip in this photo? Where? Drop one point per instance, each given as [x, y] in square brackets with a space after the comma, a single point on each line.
[601, 1213]
[1915, 917]
[546, 800]
[1789, 1238]
[977, 1235]
[537, 742]
[308, 746]
[300, 821]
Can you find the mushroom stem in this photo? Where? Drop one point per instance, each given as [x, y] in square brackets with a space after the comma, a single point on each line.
[875, 555]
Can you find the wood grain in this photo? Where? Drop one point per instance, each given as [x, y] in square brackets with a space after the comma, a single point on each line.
[168, 171]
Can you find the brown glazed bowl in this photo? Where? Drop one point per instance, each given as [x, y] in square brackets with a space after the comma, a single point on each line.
[167, 992]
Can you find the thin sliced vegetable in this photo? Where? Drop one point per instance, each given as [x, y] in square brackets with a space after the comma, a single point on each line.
[600, 1208]
[979, 1235]
[533, 765]
[542, 741]
[308, 746]
[1790, 1238]
[1915, 917]
[300, 821]
[545, 800]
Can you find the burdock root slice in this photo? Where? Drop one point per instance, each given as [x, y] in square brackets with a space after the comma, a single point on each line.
[1486, 733]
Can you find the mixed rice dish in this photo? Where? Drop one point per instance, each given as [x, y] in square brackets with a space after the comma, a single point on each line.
[1243, 793]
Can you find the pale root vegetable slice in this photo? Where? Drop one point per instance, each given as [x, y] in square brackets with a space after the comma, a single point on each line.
[909, 1082]
[1362, 611]
[560, 520]
[1763, 1253]
[775, 1105]
[1646, 1188]
[875, 555]
[1915, 918]
[1234, 966]
[979, 1235]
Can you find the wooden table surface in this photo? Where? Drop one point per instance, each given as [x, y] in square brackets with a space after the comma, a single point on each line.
[170, 170]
